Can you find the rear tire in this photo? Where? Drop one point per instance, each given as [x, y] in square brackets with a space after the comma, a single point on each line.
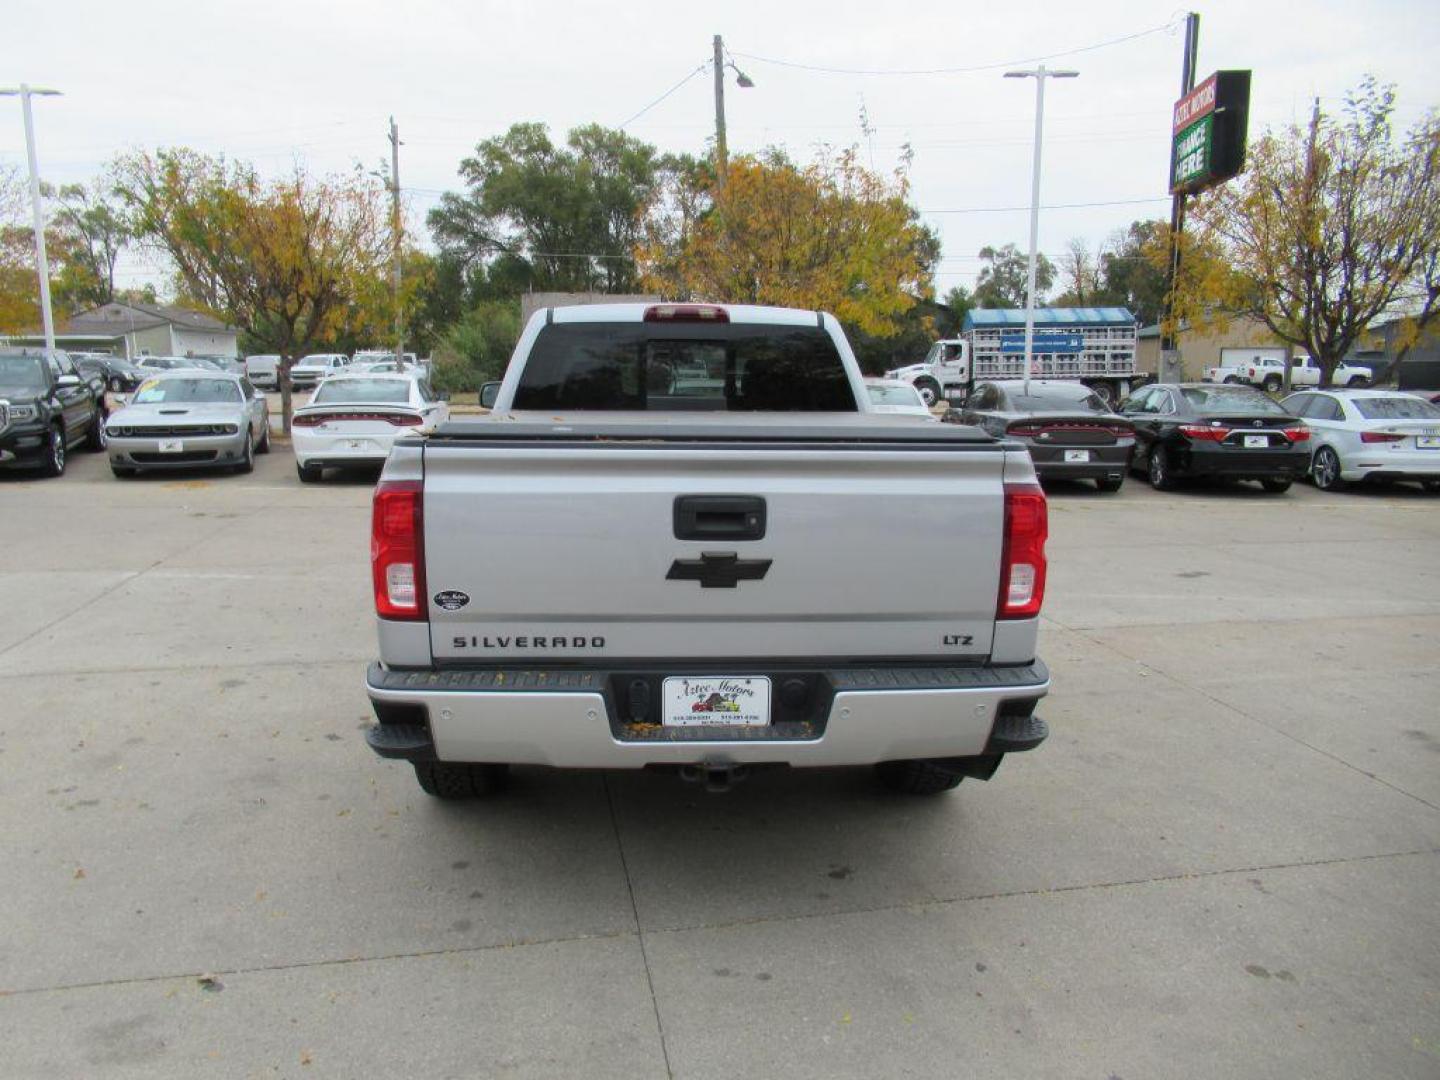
[1276, 485]
[1231, 380]
[451, 780]
[1358, 381]
[1325, 470]
[1109, 486]
[1273, 383]
[917, 777]
[121, 472]
[1159, 470]
[95, 438]
[309, 474]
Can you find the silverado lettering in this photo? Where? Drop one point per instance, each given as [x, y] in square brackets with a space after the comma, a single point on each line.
[535, 641]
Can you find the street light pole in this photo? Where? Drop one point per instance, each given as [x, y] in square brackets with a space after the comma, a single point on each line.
[1039, 74]
[37, 207]
[722, 153]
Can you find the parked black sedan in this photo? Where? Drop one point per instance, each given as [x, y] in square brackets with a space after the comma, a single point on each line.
[1070, 432]
[1205, 429]
[120, 375]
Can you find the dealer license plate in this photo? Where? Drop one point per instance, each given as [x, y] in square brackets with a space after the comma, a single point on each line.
[1077, 455]
[1428, 442]
[1257, 440]
[357, 444]
[172, 446]
[731, 701]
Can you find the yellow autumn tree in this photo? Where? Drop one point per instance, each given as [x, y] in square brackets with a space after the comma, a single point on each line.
[289, 260]
[831, 236]
[1330, 227]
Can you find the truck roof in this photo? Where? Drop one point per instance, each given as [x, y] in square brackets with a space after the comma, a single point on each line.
[752, 314]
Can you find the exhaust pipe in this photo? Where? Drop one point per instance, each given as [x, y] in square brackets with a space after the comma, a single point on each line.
[716, 778]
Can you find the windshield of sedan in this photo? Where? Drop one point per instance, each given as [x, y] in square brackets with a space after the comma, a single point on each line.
[1395, 408]
[22, 373]
[187, 392]
[362, 392]
[1233, 400]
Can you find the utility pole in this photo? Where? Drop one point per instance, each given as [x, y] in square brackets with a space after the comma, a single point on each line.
[1039, 74]
[1308, 212]
[722, 156]
[397, 236]
[1169, 363]
[37, 207]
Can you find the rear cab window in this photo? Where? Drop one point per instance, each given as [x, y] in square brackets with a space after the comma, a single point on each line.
[693, 367]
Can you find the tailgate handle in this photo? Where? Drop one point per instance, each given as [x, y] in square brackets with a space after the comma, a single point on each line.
[719, 517]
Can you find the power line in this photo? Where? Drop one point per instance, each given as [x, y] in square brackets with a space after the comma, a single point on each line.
[1051, 206]
[663, 96]
[960, 70]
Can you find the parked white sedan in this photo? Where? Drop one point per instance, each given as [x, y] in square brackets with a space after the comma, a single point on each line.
[351, 421]
[1364, 435]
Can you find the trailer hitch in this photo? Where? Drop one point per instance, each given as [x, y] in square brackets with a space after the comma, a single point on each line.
[717, 778]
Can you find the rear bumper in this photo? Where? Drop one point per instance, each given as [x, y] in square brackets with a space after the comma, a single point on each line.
[1244, 464]
[1376, 464]
[1104, 461]
[334, 451]
[566, 719]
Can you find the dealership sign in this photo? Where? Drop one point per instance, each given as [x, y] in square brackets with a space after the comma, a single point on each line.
[1208, 130]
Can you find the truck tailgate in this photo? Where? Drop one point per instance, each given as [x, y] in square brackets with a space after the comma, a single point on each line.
[878, 542]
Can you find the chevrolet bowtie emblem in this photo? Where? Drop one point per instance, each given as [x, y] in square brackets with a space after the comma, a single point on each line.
[718, 570]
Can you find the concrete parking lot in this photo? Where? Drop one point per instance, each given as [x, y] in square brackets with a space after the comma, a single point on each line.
[1224, 862]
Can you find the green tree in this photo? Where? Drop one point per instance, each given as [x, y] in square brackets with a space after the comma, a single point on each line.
[1134, 279]
[545, 217]
[1329, 227]
[1002, 281]
[285, 259]
[950, 319]
[478, 346]
[92, 232]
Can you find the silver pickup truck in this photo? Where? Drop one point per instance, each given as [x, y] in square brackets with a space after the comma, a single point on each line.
[681, 540]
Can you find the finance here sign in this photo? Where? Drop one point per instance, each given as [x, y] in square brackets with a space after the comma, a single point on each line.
[1208, 131]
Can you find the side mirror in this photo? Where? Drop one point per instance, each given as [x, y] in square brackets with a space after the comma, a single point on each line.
[68, 380]
[488, 393]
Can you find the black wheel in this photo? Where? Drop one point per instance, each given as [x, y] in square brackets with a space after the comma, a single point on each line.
[449, 780]
[1160, 478]
[95, 438]
[117, 385]
[53, 464]
[309, 474]
[1276, 485]
[1105, 392]
[122, 472]
[264, 447]
[929, 391]
[1358, 381]
[917, 777]
[1232, 379]
[247, 458]
[1325, 470]
[1108, 485]
[1273, 383]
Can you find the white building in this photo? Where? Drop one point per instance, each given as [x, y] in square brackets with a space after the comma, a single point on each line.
[131, 329]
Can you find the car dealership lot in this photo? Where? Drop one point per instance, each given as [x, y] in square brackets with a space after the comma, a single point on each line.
[1223, 862]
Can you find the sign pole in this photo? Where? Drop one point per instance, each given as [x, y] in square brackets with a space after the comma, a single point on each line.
[1169, 338]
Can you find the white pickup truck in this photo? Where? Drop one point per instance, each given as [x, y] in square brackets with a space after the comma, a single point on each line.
[682, 540]
[1269, 373]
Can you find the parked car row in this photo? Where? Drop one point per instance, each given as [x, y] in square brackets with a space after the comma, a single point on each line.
[263, 369]
[1171, 432]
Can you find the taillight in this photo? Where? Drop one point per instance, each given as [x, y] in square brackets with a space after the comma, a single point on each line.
[711, 313]
[1379, 436]
[1200, 433]
[405, 419]
[1022, 428]
[1297, 434]
[396, 419]
[1022, 559]
[397, 550]
[303, 420]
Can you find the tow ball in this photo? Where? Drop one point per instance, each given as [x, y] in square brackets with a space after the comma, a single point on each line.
[716, 778]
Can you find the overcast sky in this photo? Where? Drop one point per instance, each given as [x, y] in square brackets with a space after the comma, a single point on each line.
[280, 82]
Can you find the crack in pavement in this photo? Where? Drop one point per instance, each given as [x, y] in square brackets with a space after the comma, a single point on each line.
[726, 924]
